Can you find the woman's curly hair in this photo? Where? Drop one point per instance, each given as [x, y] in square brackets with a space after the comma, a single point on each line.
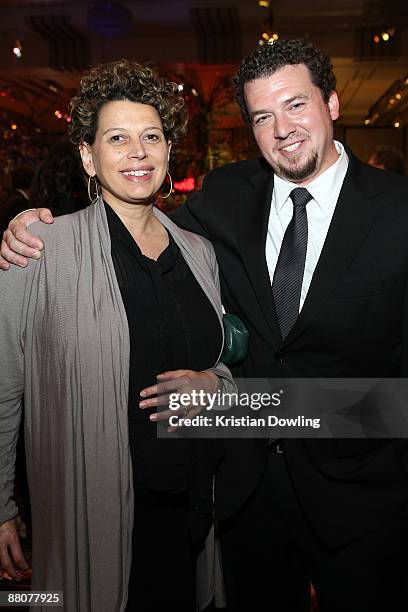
[125, 80]
[266, 60]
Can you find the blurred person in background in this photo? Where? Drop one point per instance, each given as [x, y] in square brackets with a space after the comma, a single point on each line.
[19, 197]
[59, 183]
[388, 158]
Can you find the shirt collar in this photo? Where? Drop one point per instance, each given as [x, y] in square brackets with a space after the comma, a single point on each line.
[321, 188]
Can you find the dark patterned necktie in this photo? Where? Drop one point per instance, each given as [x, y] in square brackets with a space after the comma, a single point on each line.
[288, 277]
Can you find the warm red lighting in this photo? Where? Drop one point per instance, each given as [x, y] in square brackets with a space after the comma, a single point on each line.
[13, 126]
[187, 184]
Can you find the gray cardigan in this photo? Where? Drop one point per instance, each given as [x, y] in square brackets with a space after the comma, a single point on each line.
[64, 343]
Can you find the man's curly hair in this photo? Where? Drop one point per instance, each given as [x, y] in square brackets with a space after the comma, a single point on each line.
[125, 80]
[266, 60]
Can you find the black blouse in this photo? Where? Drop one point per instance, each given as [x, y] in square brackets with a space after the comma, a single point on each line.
[172, 326]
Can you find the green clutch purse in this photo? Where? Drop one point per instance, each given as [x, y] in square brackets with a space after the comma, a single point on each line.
[236, 340]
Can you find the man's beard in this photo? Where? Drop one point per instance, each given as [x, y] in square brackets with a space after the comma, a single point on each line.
[298, 173]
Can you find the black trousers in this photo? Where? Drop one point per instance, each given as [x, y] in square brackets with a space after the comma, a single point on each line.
[164, 560]
[270, 555]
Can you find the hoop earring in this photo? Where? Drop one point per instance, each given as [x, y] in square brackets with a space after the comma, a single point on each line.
[96, 188]
[163, 197]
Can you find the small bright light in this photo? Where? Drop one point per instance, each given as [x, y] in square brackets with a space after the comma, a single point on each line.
[264, 3]
[181, 87]
[14, 126]
[275, 36]
[265, 35]
[194, 92]
[396, 124]
[261, 42]
[68, 119]
[385, 36]
[271, 41]
[391, 101]
[367, 121]
[58, 114]
[398, 96]
[18, 49]
[376, 39]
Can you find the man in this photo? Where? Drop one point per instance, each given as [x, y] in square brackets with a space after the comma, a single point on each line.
[291, 511]
[19, 196]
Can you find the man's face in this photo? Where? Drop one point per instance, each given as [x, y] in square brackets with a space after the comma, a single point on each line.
[292, 124]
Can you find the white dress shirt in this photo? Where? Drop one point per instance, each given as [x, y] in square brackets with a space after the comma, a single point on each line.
[325, 190]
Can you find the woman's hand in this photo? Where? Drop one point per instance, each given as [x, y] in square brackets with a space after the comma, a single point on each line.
[12, 559]
[192, 385]
[18, 244]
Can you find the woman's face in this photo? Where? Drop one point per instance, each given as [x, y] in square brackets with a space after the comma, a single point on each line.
[130, 154]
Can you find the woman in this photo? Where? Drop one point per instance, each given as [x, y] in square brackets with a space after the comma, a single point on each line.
[120, 296]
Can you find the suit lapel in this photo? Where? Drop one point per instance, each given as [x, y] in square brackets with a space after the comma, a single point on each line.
[254, 209]
[354, 214]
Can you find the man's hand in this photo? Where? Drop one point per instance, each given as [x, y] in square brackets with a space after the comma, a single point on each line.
[180, 382]
[12, 559]
[18, 244]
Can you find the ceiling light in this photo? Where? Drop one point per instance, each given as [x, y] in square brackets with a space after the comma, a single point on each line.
[18, 49]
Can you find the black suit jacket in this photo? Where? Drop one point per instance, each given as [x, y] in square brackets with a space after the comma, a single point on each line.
[353, 324]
